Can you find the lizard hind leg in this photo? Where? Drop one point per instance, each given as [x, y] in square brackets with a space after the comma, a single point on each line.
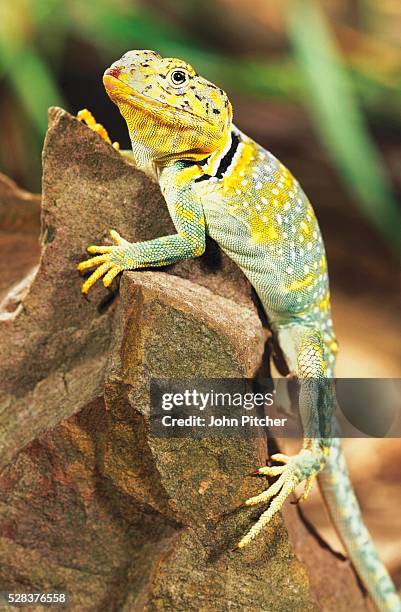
[303, 467]
[316, 403]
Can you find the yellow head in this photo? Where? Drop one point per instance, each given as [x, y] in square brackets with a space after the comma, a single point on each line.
[171, 112]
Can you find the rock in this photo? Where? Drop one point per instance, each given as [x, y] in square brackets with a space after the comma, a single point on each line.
[91, 501]
[19, 232]
[19, 209]
[171, 328]
[47, 337]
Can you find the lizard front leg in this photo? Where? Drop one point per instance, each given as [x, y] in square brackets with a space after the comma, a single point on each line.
[316, 402]
[187, 214]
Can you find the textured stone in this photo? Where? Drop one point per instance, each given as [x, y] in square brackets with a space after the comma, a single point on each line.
[19, 245]
[57, 330]
[19, 209]
[90, 501]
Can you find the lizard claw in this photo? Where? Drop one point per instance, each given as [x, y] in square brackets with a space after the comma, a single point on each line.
[115, 236]
[117, 239]
[92, 262]
[297, 469]
[111, 260]
[280, 457]
[268, 470]
[86, 117]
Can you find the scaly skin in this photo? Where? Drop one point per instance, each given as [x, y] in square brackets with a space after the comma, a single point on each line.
[219, 182]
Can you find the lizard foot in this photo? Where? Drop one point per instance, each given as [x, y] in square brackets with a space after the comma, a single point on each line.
[86, 116]
[110, 261]
[303, 467]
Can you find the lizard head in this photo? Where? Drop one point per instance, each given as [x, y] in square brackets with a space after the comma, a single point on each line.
[171, 112]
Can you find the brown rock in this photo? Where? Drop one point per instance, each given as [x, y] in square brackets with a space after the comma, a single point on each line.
[19, 209]
[19, 232]
[91, 501]
[46, 337]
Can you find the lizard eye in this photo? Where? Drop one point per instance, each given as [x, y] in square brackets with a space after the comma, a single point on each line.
[179, 78]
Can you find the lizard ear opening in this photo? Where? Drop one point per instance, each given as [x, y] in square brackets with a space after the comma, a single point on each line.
[229, 115]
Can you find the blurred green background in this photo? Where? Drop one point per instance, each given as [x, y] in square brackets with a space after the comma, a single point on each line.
[317, 82]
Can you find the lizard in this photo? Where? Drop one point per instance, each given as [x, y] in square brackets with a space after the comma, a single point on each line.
[217, 181]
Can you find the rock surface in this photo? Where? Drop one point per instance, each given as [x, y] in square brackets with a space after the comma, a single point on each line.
[90, 501]
[19, 231]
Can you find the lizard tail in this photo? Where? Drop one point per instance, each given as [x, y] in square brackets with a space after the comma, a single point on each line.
[345, 513]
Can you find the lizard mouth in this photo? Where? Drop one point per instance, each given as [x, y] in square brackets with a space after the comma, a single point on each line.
[115, 87]
[117, 90]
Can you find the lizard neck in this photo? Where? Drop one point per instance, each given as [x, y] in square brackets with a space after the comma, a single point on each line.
[217, 165]
[212, 163]
[143, 158]
[208, 164]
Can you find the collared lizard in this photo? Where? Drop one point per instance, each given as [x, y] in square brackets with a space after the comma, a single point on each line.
[218, 181]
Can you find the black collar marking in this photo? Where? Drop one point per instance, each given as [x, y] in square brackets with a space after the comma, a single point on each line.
[225, 162]
[228, 158]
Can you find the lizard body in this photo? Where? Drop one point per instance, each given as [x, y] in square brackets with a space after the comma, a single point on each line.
[218, 181]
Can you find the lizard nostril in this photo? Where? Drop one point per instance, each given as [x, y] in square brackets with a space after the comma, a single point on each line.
[114, 72]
